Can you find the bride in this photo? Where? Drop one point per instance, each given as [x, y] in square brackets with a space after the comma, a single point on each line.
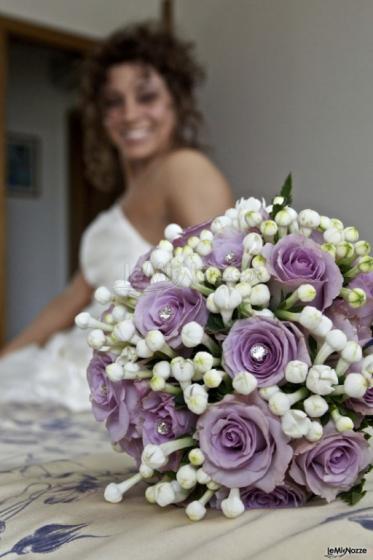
[142, 125]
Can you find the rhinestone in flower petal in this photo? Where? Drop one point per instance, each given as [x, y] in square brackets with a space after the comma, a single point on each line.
[258, 352]
[229, 257]
[166, 313]
[163, 428]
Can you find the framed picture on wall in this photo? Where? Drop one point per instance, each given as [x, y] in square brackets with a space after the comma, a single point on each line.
[23, 165]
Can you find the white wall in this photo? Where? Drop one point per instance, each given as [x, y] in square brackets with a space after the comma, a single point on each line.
[290, 88]
[91, 17]
[36, 227]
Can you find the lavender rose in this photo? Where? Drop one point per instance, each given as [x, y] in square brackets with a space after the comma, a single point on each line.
[227, 249]
[167, 308]
[331, 465]
[137, 278]
[364, 405]
[263, 346]
[162, 421]
[297, 260]
[243, 443]
[285, 496]
[115, 403]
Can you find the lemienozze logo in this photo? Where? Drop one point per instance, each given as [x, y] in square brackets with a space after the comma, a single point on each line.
[340, 551]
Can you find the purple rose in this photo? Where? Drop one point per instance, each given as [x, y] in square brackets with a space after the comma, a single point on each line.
[137, 278]
[167, 308]
[297, 260]
[189, 232]
[364, 405]
[162, 421]
[331, 465]
[285, 496]
[227, 250]
[263, 346]
[341, 315]
[243, 443]
[114, 403]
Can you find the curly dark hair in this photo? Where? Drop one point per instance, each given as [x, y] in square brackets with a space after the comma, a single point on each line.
[149, 44]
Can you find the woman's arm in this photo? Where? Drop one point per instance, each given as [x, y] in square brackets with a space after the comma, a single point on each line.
[196, 189]
[57, 315]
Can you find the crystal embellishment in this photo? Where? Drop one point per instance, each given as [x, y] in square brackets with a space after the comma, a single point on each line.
[229, 257]
[166, 313]
[163, 428]
[258, 352]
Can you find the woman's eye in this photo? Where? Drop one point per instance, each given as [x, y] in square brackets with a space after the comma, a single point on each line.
[148, 97]
[112, 103]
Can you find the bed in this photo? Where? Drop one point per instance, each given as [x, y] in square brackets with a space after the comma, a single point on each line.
[55, 466]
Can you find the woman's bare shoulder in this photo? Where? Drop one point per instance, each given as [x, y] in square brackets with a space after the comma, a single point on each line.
[195, 188]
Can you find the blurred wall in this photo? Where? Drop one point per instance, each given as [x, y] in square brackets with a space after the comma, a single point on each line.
[36, 227]
[290, 88]
[92, 17]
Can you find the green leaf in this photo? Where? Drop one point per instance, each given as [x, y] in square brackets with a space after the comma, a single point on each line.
[354, 495]
[215, 323]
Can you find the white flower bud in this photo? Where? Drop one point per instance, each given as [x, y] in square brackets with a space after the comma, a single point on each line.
[157, 383]
[220, 223]
[244, 289]
[204, 248]
[244, 383]
[113, 493]
[278, 200]
[367, 366]
[356, 298]
[260, 295]
[323, 327]
[295, 423]
[172, 231]
[227, 298]
[162, 369]
[253, 243]
[182, 369]
[146, 472]
[159, 258]
[263, 313]
[124, 330]
[196, 457]
[329, 248]
[211, 305]
[233, 506]
[96, 339]
[213, 378]
[268, 228]
[279, 403]
[115, 372]
[206, 235]
[362, 248]
[309, 219]
[315, 406]
[166, 245]
[153, 456]
[320, 380]
[352, 352]
[284, 218]
[231, 274]
[164, 494]
[337, 224]
[213, 275]
[342, 423]
[192, 334]
[103, 295]
[336, 339]
[333, 235]
[158, 277]
[195, 511]
[119, 313]
[296, 371]
[143, 350]
[193, 241]
[253, 218]
[306, 293]
[325, 223]
[351, 234]
[130, 370]
[310, 317]
[182, 276]
[196, 398]
[154, 340]
[187, 476]
[315, 431]
[203, 477]
[355, 385]
[203, 361]
[123, 288]
[150, 494]
[344, 250]
[267, 392]
[148, 269]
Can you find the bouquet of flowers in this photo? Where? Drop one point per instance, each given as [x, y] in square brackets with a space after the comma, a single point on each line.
[234, 363]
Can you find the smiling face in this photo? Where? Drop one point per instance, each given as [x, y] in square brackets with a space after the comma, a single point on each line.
[138, 112]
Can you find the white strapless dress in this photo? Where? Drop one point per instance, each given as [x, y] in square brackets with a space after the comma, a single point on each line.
[56, 373]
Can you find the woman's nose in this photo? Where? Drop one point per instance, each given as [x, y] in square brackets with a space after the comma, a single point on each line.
[131, 110]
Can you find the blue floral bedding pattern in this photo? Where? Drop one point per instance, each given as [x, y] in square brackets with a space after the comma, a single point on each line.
[54, 466]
